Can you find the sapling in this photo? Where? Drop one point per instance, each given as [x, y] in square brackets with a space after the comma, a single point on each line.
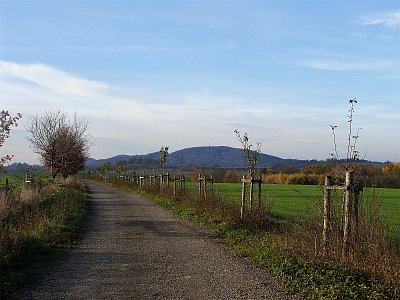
[250, 153]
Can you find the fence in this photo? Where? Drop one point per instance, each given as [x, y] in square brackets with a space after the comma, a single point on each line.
[206, 185]
[179, 181]
[252, 188]
[350, 213]
[163, 181]
[245, 183]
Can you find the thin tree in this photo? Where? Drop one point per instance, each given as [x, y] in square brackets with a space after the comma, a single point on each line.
[351, 189]
[105, 167]
[163, 156]
[352, 155]
[249, 152]
[61, 142]
[121, 167]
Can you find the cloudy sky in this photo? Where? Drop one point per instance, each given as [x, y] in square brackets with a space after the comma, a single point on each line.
[188, 73]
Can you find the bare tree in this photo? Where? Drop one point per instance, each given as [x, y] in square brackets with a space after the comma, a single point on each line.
[250, 153]
[6, 122]
[353, 155]
[60, 141]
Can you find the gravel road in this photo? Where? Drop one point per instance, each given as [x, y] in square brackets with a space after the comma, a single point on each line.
[134, 249]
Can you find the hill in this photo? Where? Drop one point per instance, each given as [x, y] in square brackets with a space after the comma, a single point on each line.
[200, 157]
[217, 157]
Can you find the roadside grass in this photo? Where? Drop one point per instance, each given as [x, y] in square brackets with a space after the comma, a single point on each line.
[36, 224]
[290, 202]
[287, 251]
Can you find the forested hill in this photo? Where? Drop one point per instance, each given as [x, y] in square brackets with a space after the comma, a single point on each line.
[217, 157]
[203, 157]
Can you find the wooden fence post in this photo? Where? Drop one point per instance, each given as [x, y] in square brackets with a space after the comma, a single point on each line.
[175, 181]
[183, 188]
[251, 194]
[205, 187]
[347, 214]
[243, 205]
[200, 186]
[259, 192]
[357, 188]
[327, 215]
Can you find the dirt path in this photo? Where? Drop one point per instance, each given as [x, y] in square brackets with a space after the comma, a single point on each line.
[134, 249]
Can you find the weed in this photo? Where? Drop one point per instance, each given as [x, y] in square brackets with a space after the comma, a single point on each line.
[35, 223]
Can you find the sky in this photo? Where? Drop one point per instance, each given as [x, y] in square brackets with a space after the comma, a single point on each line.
[147, 74]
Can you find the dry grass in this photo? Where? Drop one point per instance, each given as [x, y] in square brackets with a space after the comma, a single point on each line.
[33, 221]
[372, 251]
[19, 218]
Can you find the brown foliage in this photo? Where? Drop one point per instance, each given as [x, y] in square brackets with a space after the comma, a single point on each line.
[231, 176]
[61, 142]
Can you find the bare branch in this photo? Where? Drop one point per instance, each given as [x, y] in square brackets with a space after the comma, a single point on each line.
[61, 142]
[250, 154]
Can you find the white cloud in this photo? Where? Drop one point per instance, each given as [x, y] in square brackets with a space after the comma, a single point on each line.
[46, 77]
[124, 122]
[388, 18]
[350, 65]
[37, 86]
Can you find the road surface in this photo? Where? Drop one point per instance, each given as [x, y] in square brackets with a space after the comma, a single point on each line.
[134, 249]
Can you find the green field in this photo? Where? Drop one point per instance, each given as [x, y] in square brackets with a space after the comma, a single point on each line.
[286, 201]
[16, 179]
[294, 202]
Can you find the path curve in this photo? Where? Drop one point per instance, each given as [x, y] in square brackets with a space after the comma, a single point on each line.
[135, 249]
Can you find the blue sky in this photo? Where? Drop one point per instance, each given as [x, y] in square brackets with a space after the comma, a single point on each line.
[188, 73]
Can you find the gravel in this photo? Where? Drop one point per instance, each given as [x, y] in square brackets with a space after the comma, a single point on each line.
[134, 249]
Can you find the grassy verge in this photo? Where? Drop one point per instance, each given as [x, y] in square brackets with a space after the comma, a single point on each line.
[286, 254]
[36, 225]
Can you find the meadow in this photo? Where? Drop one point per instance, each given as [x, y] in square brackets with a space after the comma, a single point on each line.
[289, 203]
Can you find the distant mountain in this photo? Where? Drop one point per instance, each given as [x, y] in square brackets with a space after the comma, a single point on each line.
[200, 157]
[216, 157]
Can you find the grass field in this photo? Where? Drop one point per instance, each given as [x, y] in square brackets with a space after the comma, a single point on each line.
[16, 179]
[293, 202]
